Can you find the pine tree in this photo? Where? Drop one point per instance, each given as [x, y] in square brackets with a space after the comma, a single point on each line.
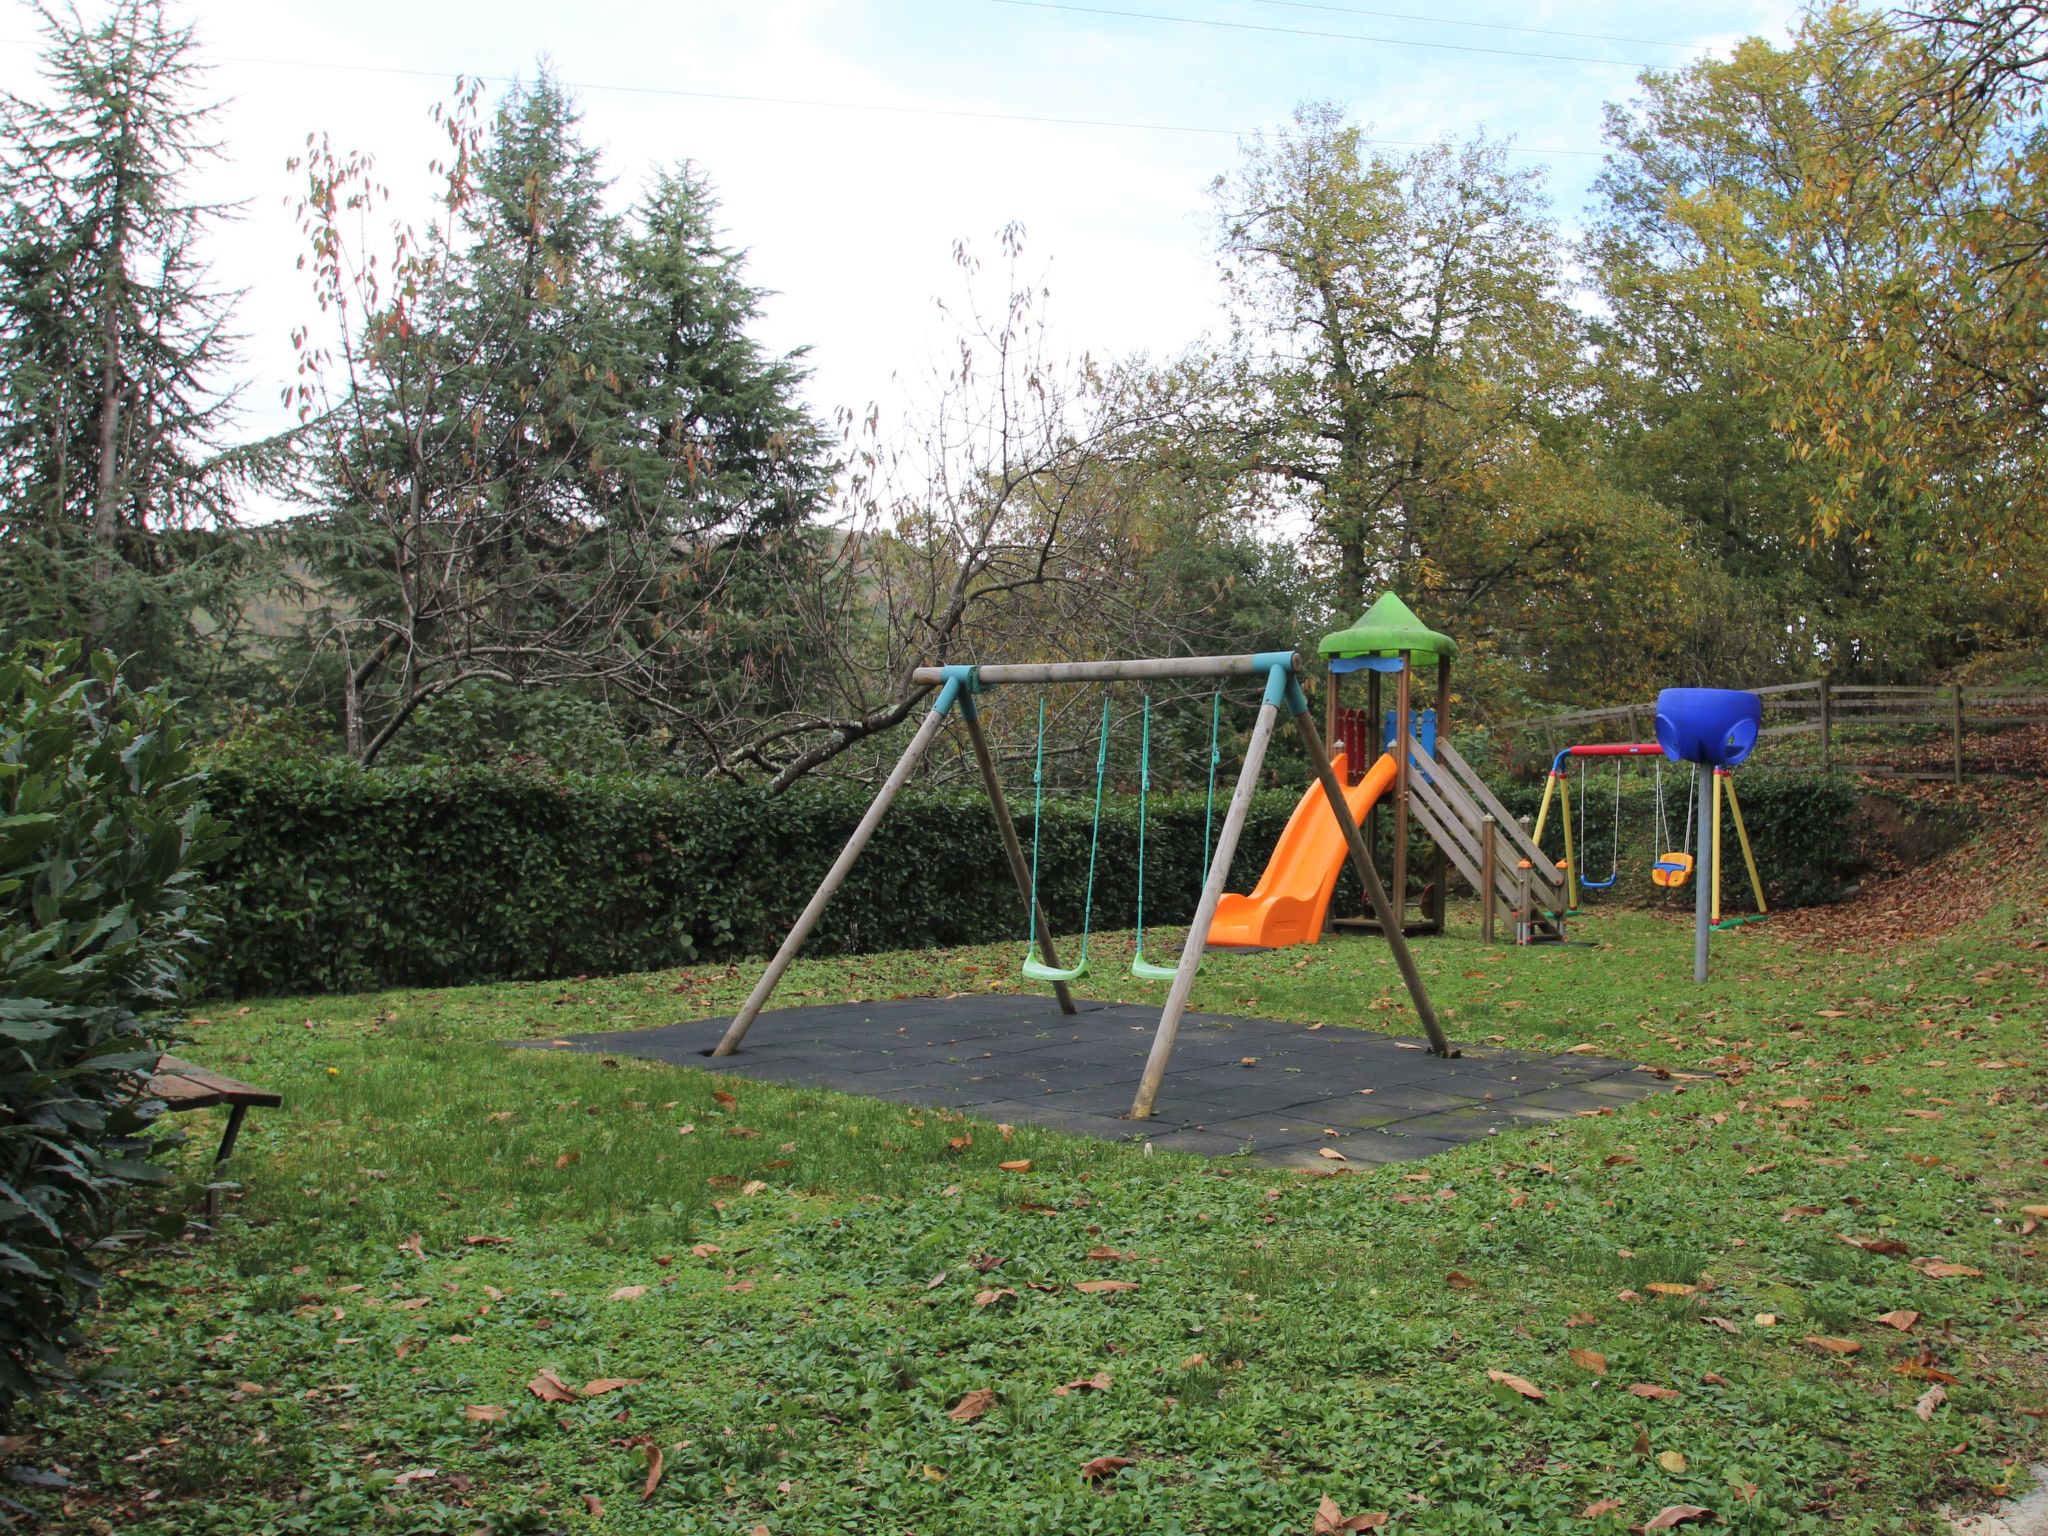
[563, 462]
[112, 341]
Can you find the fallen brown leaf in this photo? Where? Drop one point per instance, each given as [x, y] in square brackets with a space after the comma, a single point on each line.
[646, 1446]
[1099, 1382]
[1589, 1360]
[629, 1293]
[1332, 1521]
[1677, 1514]
[1653, 1392]
[1518, 1384]
[990, 1297]
[972, 1405]
[1016, 1165]
[1104, 1287]
[1104, 1467]
[484, 1413]
[604, 1384]
[550, 1388]
[1835, 1346]
[1925, 1404]
[1901, 1318]
[1599, 1507]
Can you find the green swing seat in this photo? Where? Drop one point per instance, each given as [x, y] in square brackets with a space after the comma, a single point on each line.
[1143, 969]
[1034, 966]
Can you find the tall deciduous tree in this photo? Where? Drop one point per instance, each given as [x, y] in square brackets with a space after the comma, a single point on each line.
[1731, 278]
[113, 343]
[1924, 384]
[1407, 329]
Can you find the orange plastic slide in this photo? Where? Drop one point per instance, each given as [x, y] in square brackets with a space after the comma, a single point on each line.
[1287, 905]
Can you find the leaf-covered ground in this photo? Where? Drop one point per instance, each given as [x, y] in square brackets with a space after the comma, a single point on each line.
[474, 1289]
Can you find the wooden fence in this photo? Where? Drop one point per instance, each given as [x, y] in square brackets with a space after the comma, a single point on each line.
[1924, 730]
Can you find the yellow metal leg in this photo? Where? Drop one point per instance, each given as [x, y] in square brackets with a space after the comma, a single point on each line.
[1571, 860]
[1756, 883]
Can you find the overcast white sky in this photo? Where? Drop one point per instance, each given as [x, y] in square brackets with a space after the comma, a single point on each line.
[849, 210]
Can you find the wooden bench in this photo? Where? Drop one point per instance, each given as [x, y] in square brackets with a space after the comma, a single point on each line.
[183, 1085]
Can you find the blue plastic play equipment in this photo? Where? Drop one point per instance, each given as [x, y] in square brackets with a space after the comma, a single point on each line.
[1715, 727]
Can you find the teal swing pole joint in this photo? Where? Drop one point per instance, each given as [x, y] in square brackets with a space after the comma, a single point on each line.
[1283, 688]
[961, 684]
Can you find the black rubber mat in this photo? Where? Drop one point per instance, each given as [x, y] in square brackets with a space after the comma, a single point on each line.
[1276, 1092]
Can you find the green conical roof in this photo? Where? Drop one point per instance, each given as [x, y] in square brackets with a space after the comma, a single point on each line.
[1388, 628]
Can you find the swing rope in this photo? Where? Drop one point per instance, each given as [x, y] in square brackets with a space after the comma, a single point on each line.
[1034, 967]
[1674, 865]
[1614, 843]
[1140, 966]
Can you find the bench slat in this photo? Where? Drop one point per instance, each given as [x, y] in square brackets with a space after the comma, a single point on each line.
[184, 1085]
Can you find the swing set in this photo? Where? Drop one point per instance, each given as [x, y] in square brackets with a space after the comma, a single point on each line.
[1146, 970]
[957, 690]
[1673, 869]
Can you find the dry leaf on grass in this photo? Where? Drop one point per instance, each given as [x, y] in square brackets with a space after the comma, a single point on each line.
[1942, 1269]
[1104, 1287]
[481, 1241]
[1599, 1507]
[1928, 1401]
[484, 1413]
[550, 1388]
[1901, 1318]
[1835, 1346]
[724, 1100]
[1653, 1392]
[1099, 1382]
[604, 1384]
[990, 1297]
[1104, 1467]
[1106, 1255]
[1670, 1288]
[1677, 1514]
[629, 1293]
[1517, 1384]
[703, 1250]
[1016, 1165]
[973, 1405]
[1590, 1360]
[1332, 1521]
[1458, 1280]
[1673, 1462]
[1332, 1154]
[646, 1446]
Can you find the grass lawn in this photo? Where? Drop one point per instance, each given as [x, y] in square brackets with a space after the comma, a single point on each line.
[814, 1313]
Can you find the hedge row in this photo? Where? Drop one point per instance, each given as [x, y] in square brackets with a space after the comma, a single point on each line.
[345, 879]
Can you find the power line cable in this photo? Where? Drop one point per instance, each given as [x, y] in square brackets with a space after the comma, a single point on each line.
[1349, 37]
[1484, 26]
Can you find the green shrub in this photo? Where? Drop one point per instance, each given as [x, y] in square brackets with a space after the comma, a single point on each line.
[346, 879]
[1803, 827]
[100, 828]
